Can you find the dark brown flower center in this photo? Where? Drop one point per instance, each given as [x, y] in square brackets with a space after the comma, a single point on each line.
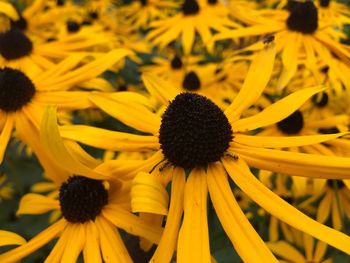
[190, 7]
[82, 199]
[14, 44]
[16, 90]
[293, 124]
[194, 131]
[303, 17]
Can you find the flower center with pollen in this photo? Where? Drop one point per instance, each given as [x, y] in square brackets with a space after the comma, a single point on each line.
[191, 82]
[303, 18]
[194, 131]
[190, 7]
[293, 124]
[14, 44]
[16, 89]
[82, 199]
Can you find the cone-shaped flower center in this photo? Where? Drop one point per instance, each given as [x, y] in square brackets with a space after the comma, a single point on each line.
[16, 89]
[194, 131]
[82, 199]
[303, 18]
[293, 124]
[320, 100]
[190, 7]
[191, 82]
[325, 3]
[176, 63]
[14, 44]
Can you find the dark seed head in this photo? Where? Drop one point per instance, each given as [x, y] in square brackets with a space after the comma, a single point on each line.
[60, 2]
[176, 63]
[16, 89]
[325, 3]
[191, 82]
[190, 7]
[293, 124]
[143, 2]
[332, 182]
[320, 100]
[82, 199]
[194, 131]
[14, 44]
[72, 26]
[303, 18]
[212, 2]
[328, 130]
[21, 23]
[93, 15]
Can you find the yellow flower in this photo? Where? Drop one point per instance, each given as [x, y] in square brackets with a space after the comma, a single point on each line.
[91, 206]
[195, 137]
[195, 17]
[21, 109]
[139, 14]
[300, 36]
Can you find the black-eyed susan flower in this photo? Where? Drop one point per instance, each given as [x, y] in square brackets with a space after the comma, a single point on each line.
[334, 202]
[195, 17]
[198, 145]
[139, 14]
[92, 206]
[24, 95]
[299, 34]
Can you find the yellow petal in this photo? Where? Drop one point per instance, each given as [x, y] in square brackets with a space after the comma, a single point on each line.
[9, 238]
[289, 59]
[286, 251]
[241, 175]
[283, 142]
[35, 243]
[149, 195]
[128, 112]
[88, 71]
[324, 208]
[131, 223]
[277, 111]
[36, 204]
[254, 84]
[159, 88]
[5, 134]
[109, 140]
[112, 246]
[75, 243]
[8, 10]
[167, 243]
[52, 141]
[193, 243]
[92, 253]
[247, 242]
[293, 163]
